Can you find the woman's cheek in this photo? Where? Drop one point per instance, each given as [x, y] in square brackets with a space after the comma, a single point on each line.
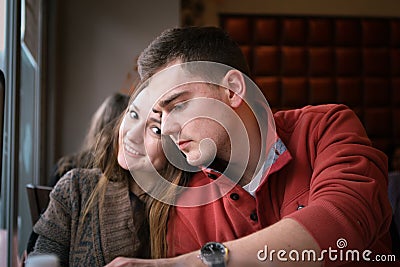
[121, 160]
[154, 152]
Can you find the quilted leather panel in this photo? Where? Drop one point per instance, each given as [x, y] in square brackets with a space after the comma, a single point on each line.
[347, 32]
[349, 91]
[294, 92]
[294, 61]
[376, 61]
[322, 90]
[266, 60]
[266, 31]
[376, 32]
[293, 31]
[320, 32]
[348, 61]
[321, 61]
[301, 60]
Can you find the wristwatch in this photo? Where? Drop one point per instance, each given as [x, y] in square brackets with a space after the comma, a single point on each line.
[214, 254]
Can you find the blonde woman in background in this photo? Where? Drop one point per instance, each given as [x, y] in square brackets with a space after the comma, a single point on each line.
[107, 113]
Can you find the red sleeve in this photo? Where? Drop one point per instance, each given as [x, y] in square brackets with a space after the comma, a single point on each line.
[348, 190]
[181, 237]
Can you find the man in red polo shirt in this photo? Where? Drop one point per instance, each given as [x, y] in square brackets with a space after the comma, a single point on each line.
[301, 187]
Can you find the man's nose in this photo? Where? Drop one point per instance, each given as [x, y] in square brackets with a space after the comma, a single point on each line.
[170, 125]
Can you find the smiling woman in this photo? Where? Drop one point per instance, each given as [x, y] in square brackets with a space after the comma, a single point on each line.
[140, 138]
[111, 202]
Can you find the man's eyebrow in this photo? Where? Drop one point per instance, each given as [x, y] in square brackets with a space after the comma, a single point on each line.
[166, 102]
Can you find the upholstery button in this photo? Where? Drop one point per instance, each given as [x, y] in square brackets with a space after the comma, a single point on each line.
[299, 207]
[212, 176]
[235, 196]
[253, 216]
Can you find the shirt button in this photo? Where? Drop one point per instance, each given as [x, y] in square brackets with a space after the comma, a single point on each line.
[299, 207]
[212, 176]
[235, 196]
[253, 216]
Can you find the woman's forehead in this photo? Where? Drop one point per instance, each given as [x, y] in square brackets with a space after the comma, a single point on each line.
[142, 100]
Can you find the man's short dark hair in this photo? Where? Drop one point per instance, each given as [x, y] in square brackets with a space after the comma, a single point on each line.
[191, 44]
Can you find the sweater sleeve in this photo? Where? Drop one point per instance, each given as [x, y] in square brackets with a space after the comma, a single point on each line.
[54, 226]
[348, 189]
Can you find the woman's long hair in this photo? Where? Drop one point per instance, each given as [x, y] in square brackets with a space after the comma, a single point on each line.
[158, 211]
[105, 153]
[105, 158]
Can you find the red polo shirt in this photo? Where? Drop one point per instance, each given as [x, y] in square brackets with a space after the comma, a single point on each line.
[329, 179]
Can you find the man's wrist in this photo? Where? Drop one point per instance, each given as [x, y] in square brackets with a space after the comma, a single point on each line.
[189, 259]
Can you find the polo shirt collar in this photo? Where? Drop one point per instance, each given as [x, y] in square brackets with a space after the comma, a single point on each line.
[278, 156]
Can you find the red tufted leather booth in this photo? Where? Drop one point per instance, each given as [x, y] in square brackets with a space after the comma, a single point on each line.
[298, 61]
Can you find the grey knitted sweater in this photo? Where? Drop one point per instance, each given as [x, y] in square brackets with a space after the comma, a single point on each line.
[108, 231]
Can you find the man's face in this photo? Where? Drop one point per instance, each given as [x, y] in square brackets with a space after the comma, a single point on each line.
[191, 115]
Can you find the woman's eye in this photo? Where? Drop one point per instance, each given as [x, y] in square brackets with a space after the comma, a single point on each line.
[133, 114]
[156, 130]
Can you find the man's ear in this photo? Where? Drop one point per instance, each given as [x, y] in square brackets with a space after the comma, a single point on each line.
[234, 82]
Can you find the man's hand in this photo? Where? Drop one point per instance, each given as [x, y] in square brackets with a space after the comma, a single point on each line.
[127, 262]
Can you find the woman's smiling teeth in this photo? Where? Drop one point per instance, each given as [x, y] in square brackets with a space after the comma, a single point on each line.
[131, 150]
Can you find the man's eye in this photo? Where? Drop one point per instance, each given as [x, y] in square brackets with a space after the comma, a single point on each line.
[133, 114]
[156, 130]
[180, 106]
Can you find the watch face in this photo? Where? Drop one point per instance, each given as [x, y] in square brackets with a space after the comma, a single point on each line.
[213, 253]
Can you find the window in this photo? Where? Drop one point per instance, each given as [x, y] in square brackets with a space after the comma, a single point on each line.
[2, 32]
